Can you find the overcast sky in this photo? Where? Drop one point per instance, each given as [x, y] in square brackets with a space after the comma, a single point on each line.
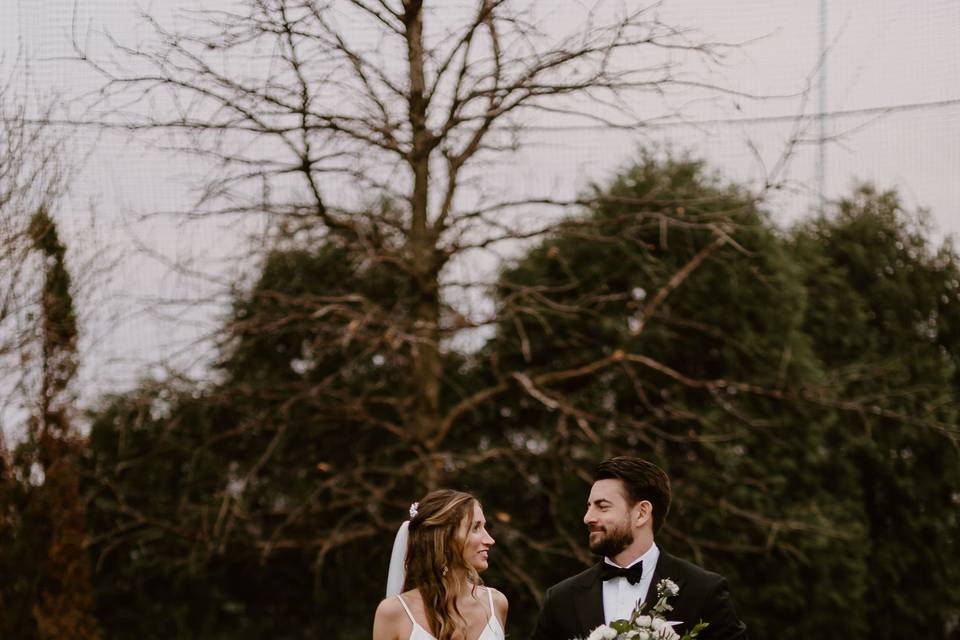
[884, 53]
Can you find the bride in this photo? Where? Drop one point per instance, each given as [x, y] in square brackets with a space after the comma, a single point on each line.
[437, 558]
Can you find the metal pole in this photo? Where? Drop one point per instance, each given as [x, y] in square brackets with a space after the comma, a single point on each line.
[822, 95]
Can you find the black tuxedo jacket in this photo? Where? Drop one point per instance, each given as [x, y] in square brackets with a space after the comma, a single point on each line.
[573, 608]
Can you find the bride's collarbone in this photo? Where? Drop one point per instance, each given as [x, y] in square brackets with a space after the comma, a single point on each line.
[474, 607]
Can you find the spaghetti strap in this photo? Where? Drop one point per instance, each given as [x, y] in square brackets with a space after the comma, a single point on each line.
[493, 630]
[406, 608]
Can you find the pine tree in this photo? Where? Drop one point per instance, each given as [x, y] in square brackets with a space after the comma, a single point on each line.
[884, 316]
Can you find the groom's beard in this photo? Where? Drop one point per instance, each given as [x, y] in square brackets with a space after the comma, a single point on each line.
[612, 541]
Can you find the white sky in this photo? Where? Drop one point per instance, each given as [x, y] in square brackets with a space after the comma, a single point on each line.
[884, 53]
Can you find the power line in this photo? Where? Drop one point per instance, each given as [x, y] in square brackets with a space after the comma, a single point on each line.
[913, 106]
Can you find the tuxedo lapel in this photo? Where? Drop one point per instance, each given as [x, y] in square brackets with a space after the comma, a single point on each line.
[588, 601]
[667, 568]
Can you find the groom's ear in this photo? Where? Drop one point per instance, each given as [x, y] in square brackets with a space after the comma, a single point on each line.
[643, 511]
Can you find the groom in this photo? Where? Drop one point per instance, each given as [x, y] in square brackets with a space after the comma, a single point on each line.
[628, 502]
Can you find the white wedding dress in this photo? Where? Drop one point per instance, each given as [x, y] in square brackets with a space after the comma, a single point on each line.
[492, 631]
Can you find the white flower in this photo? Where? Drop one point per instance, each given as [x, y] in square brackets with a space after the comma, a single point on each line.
[644, 621]
[603, 632]
[643, 635]
[670, 587]
[659, 623]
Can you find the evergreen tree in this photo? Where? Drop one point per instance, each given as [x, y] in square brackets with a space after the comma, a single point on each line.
[256, 498]
[702, 375]
[884, 317]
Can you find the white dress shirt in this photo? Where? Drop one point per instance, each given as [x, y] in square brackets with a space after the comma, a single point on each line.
[619, 596]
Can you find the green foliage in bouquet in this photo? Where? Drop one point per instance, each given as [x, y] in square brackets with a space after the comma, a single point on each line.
[648, 622]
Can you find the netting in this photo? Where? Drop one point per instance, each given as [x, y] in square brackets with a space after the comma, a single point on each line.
[892, 116]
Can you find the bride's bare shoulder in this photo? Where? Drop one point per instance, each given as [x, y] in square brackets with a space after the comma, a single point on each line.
[499, 603]
[389, 616]
[391, 621]
[498, 596]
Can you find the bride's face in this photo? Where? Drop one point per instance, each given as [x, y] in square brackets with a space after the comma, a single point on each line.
[476, 540]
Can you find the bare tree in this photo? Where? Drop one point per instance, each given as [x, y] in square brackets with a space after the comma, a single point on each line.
[318, 112]
[31, 178]
[42, 510]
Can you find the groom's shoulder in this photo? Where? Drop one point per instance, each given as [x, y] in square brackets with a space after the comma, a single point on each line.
[689, 567]
[691, 572]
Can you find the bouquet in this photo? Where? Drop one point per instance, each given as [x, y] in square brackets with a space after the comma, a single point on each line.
[648, 624]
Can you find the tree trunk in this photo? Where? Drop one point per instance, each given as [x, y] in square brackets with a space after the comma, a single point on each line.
[424, 418]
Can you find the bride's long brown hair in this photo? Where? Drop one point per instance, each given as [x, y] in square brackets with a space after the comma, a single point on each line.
[435, 564]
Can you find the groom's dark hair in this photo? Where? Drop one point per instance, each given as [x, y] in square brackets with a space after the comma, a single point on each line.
[643, 481]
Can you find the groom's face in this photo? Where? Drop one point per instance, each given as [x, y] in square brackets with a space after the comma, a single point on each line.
[608, 518]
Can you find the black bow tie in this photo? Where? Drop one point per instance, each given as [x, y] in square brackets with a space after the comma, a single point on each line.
[632, 574]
